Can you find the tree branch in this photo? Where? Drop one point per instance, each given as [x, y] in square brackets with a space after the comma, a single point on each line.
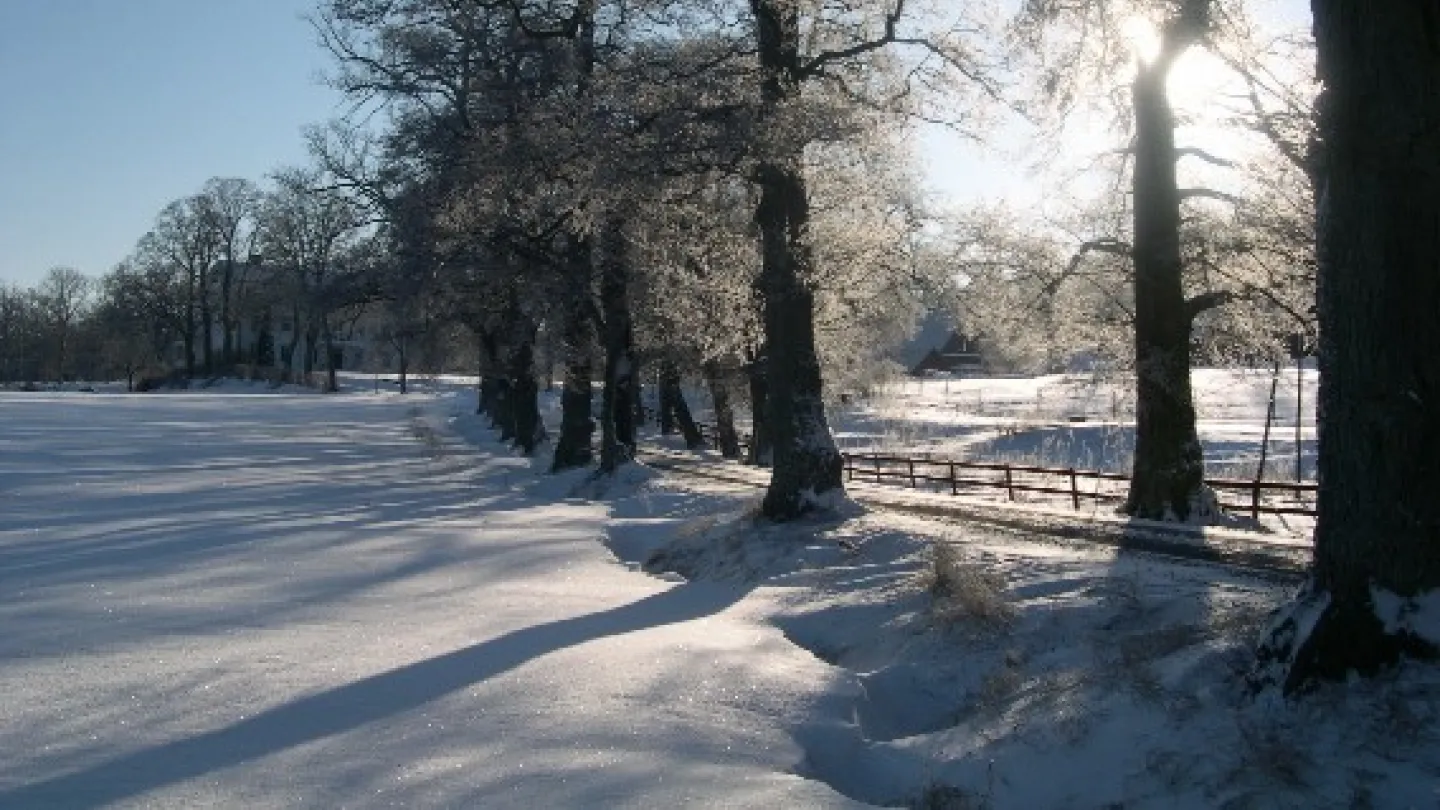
[1194, 151]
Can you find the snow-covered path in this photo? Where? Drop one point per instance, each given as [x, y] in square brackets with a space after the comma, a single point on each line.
[289, 601]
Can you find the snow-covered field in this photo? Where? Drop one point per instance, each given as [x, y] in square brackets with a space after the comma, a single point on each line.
[292, 600]
[1084, 421]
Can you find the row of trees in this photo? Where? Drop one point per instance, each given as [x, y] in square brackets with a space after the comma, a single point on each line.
[724, 190]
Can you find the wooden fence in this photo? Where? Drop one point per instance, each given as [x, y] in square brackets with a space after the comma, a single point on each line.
[1078, 485]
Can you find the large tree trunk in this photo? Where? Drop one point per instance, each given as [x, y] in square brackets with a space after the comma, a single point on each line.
[1167, 482]
[577, 428]
[617, 410]
[806, 473]
[806, 466]
[1377, 538]
[718, 381]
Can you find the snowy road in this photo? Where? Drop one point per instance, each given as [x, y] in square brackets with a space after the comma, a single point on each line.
[289, 601]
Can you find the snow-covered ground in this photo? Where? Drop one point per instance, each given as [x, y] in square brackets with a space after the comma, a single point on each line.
[302, 601]
[216, 599]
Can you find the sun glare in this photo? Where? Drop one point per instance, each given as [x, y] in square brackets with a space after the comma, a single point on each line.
[1195, 78]
[1142, 38]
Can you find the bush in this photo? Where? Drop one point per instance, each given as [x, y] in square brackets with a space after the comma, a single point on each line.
[964, 591]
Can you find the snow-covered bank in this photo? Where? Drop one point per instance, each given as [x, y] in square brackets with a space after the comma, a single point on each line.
[1010, 673]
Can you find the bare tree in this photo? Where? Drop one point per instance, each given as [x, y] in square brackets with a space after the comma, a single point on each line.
[64, 296]
[230, 204]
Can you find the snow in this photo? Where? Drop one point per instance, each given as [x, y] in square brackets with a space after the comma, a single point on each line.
[285, 601]
[292, 600]
[1419, 614]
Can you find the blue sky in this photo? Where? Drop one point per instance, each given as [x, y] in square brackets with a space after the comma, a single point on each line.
[109, 109]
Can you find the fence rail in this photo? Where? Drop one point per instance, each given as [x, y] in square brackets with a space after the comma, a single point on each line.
[956, 475]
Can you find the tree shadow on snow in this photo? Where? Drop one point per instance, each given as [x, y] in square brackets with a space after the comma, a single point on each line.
[350, 707]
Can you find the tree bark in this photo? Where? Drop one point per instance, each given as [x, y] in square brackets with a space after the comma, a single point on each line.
[617, 410]
[488, 393]
[665, 401]
[577, 428]
[806, 472]
[1167, 482]
[529, 430]
[1377, 538]
[227, 351]
[718, 381]
[761, 454]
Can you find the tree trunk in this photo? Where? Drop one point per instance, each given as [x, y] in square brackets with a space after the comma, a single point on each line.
[678, 409]
[577, 428]
[760, 447]
[637, 391]
[502, 416]
[617, 410]
[665, 401]
[489, 393]
[294, 347]
[1167, 481]
[1377, 538]
[207, 336]
[227, 351]
[718, 382]
[807, 466]
[402, 355]
[529, 430]
[190, 327]
[332, 382]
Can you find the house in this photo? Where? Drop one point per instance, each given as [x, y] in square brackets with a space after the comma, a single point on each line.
[959, 356]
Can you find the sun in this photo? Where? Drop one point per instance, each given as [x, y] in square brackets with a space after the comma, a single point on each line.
[1196, 78]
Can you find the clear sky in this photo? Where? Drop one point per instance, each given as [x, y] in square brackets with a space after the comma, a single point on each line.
[109, 109]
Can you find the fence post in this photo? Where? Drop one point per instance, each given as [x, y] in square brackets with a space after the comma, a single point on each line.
[878, 477]
[954, 485]
[1074, 489]
[1009, 483]
[1255, 500]
[849, 466]
[910, 462]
